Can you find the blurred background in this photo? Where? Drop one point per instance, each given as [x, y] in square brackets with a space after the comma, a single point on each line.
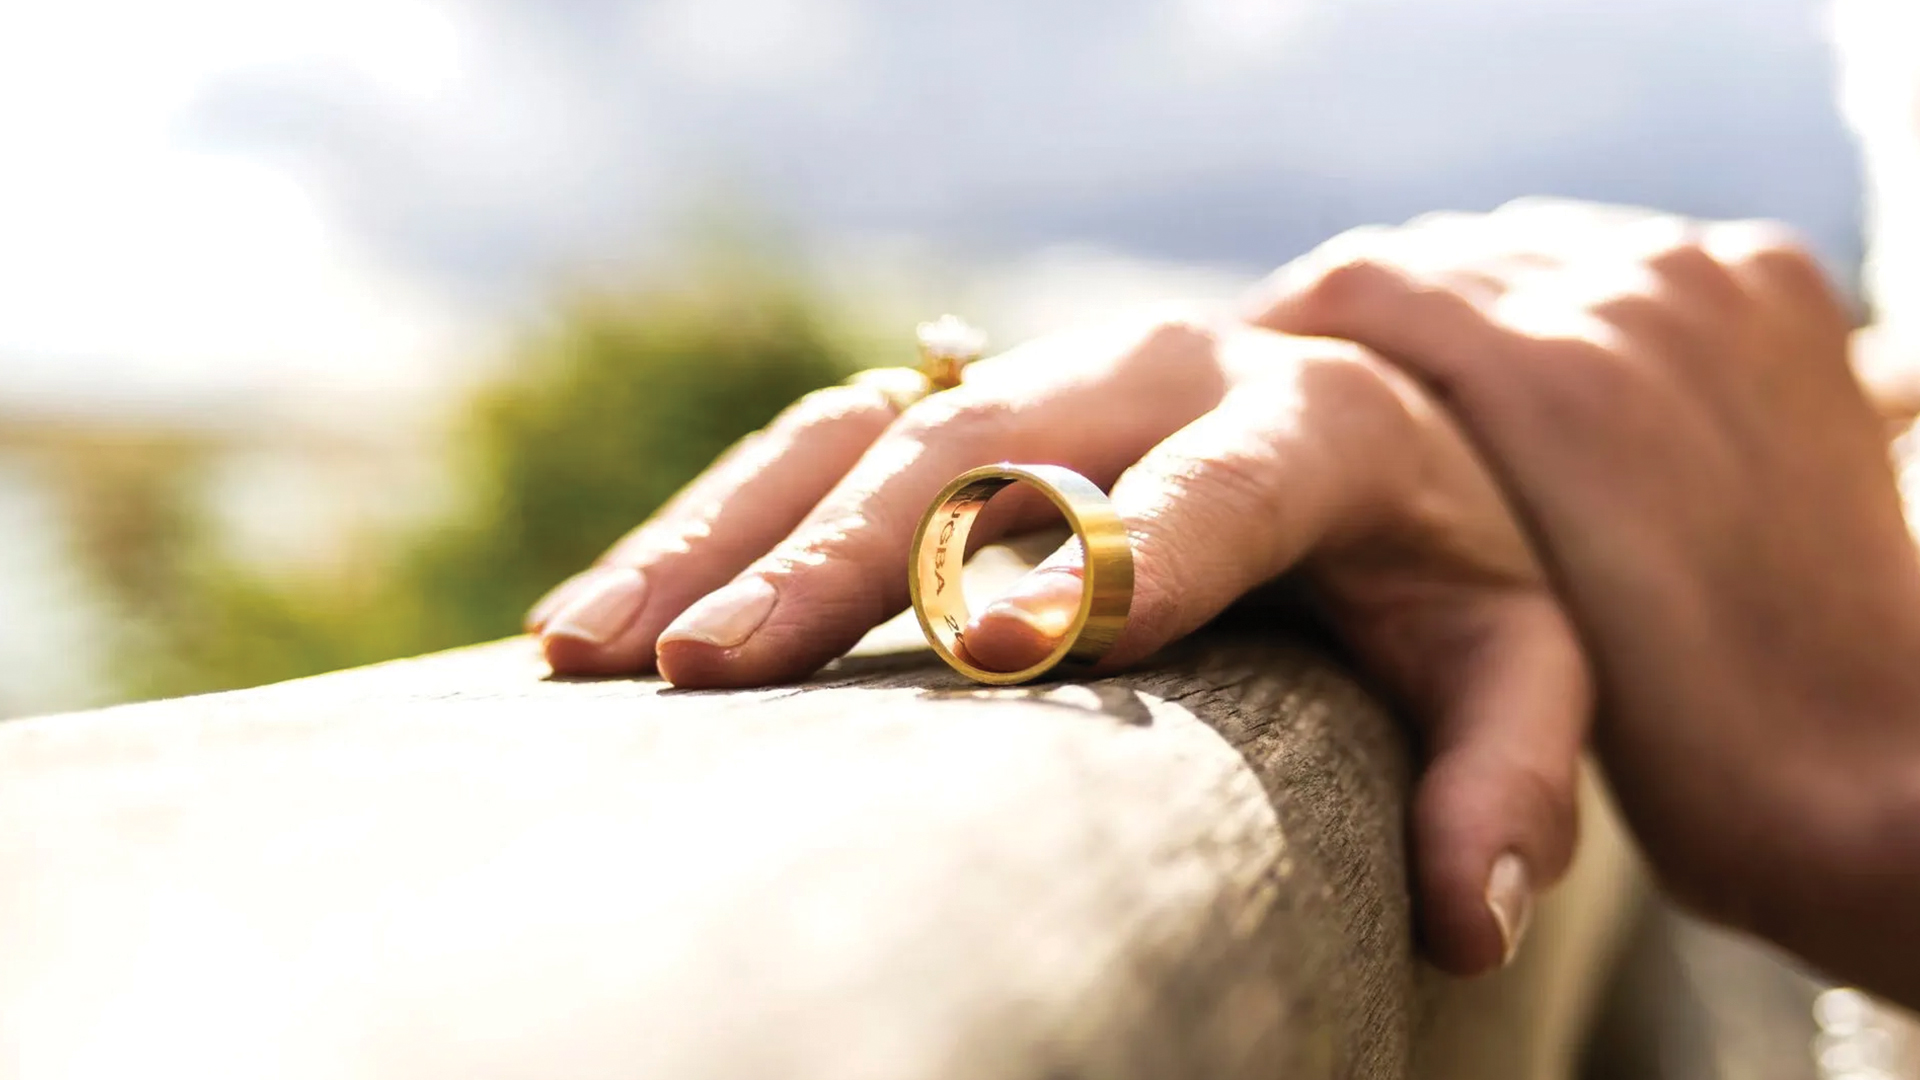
[335, 330]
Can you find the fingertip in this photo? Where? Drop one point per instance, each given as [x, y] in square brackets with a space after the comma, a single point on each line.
[594, 632]
[575, 656]
[1509, 899]
[1025, 624]
[691, 665]
[1461, 930]
[1004, 637]
[703, 646]
[1478, 922]
[1486, 840]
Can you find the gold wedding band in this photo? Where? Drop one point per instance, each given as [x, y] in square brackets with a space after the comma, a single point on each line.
[947, 345]
[940, 546]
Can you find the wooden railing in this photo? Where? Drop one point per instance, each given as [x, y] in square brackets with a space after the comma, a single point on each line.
[459, 866]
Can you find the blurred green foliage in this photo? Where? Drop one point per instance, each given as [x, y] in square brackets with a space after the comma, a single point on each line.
[595, 421]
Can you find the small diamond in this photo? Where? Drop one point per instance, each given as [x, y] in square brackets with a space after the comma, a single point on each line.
[951, 338]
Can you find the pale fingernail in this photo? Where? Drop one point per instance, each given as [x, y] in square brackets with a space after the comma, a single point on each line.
[726, 618]
[1044, 602]
[1510, 899]
[558, 597]
[601, 606]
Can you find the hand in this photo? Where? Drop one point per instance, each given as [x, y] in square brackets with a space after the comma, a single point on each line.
[1670, 408]
[1234, 454]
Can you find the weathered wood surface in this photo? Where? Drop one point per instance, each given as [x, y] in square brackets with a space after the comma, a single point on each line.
[459, 867]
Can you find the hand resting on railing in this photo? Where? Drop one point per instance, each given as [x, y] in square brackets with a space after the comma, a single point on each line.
[1665, 405]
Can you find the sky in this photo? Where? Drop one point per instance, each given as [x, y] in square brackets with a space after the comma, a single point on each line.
[313, 214]
[224, 201]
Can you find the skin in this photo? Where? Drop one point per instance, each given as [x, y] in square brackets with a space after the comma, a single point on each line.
[1670, 408]
[1526, 462]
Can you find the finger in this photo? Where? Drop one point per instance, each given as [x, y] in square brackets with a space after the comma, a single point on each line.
[1776, 267]
[1479, 254]
[1022, 626]
[1476, 254]
[1218, 509]
[1285, 464]
[1528, 368]
[1494, 817]
[606, 620]
[722, 474]
[556, 598]
[844, 570]
[1344, 281]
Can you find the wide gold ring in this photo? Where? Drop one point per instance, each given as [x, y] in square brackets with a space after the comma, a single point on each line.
[941, 543]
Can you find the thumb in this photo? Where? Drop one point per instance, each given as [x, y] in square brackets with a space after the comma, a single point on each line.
[1494, 673]
[1495, 814]
[1507, 702]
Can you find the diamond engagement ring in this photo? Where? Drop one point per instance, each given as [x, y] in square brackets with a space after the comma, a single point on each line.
[947, 345]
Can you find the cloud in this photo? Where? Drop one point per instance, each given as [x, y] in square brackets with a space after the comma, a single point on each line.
[748, 44]
[1006, 123]
[138, 268]
[232, 179]
[1223, 35]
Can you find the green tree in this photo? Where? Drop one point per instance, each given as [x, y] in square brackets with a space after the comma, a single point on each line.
[595, 421]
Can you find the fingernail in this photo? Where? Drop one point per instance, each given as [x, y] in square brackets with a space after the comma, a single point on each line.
[601, 606]
[1044, 602]
[558, 597]
[1510, 899]
[726, 618]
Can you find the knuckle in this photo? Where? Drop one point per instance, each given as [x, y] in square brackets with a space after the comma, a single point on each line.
[1683, 256]
[1779, 272]
[1767, 250]
[1198, 528]
[1351, 377]
[1176, 330]
[1365, 400]
[1241, 478]
[1324, 287]
[1633, 311]
[1165, 337]
[1346, 285]
[1203, 492]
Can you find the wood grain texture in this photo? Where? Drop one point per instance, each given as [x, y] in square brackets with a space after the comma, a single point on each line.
[458, 866]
